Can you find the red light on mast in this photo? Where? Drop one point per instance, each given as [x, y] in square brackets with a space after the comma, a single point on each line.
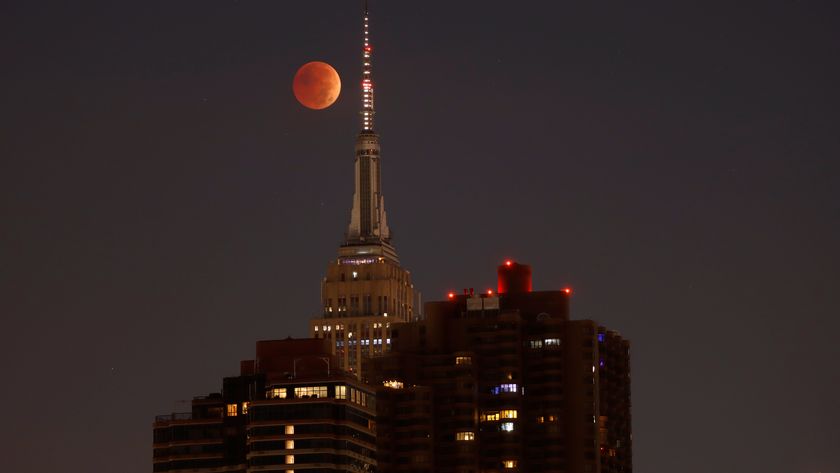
[489, 292]
[508, 263]
[451, 295]
[567, 290]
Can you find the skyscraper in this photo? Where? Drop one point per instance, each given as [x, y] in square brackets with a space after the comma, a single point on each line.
[503, 381]
[365, 289]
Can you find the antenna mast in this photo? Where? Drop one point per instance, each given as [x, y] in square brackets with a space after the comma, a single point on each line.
[367, 78]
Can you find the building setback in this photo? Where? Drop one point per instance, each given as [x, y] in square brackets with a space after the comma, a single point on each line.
[503, 382]
[290, 409]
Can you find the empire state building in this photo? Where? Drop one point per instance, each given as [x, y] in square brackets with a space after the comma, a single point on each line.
[365, 289]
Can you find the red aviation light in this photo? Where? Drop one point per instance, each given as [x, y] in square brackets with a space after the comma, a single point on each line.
[508, 263]
[368, 48]
[451, 295]
[489, 292]
[567, 290]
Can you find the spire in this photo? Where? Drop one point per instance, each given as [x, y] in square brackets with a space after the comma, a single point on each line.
[368, 222]
[367, 77]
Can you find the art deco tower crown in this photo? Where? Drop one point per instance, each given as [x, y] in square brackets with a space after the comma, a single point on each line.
[368, 222]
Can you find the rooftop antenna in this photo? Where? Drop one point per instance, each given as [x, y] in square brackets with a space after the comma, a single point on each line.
[367, 78]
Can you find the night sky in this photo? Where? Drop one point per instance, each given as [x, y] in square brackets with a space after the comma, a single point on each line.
[165, 202]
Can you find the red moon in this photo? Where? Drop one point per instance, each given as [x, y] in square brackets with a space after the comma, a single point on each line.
[316, 85]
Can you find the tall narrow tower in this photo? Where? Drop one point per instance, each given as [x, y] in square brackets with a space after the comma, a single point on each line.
[365, 289]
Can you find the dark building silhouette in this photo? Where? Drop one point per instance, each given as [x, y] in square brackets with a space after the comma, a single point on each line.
[503, 382]
[290, 409]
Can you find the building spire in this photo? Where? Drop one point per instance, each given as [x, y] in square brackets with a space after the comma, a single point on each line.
[367, 77]
[368, 232]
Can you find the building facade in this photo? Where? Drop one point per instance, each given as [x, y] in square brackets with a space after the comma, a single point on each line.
[504, 382]
[365, 289]
[290, 409]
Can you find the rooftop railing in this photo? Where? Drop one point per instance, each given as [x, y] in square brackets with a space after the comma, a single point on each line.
[174, 416]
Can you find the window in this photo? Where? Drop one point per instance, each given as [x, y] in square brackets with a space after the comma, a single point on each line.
[504, 388]
[231, 410]
[290, 444]
[341, 392]
[467, 436]
[506, 427]
[536, 343]
[490, 416]
[245, 408]
[552, 342]
[290, 459]
[358, 397]
[311, 391]
[508, 388]
[509, 463]
[393, 384]
[277, 393]
[463, 360]
[508, 413]
[290, 430]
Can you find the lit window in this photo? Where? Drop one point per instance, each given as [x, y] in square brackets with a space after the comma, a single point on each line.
[465, 436]
[552, 342]
[290, 430]
[508, 413]
[290, 444]
[341, 392]
[490, 416]
[244, 408]
[355, 274]
[506, 427]
[310, 391]
[290, 459]
[277, 393]
[601, 337]
[536, 343]
[552, 418]
[316, 328]
[393, 384]
[463, 360]
[508, 388]
[231, 410]
[509, 463]
[540, 419]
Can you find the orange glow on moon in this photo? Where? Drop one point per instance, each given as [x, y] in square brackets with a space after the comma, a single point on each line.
[316, 85]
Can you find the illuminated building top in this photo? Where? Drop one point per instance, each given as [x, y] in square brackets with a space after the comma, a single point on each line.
[368, 234]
